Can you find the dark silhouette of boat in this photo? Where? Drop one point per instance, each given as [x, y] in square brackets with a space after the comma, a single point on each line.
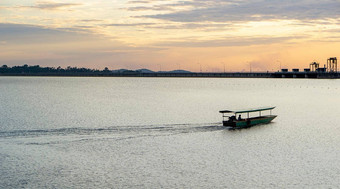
[233, 118]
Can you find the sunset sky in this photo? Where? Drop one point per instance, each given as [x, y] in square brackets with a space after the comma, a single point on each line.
[170, 34]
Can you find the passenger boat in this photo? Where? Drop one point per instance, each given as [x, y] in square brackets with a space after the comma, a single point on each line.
[233, 118]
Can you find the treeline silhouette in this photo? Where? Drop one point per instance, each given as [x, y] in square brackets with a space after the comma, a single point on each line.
[37, 70]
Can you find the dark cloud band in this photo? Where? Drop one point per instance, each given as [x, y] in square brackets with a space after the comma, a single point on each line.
[226, 11]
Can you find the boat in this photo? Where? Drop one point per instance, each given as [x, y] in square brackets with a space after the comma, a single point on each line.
[233, 118]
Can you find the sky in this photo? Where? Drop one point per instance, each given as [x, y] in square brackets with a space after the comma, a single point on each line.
[195, 35]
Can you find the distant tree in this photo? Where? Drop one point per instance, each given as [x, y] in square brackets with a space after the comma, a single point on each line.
[36, 69]
[106, 69]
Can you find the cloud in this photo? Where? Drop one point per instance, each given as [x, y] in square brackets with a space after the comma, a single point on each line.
[333, 30]
[228, 11]
[23, 33]
[229, 42]
[193, 26]
[153, 8]
[44, 5]
[164, 6]
[141, 2]
[32, 44]
[132, 24]
[91, 20]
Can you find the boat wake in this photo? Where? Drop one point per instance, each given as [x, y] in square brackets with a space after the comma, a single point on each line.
[115, 132]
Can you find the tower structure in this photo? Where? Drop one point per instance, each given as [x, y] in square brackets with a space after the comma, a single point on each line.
[332, 64]
[314, 66]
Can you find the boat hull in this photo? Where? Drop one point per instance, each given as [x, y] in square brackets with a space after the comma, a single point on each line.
[249, 122]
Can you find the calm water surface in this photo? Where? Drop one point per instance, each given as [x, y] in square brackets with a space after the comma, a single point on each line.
[166, 132]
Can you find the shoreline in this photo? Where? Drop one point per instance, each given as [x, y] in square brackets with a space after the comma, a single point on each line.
[294, 75]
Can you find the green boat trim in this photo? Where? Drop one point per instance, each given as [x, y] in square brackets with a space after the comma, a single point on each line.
[232, 120]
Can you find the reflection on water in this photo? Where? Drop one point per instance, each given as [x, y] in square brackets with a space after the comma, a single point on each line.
[166, 132]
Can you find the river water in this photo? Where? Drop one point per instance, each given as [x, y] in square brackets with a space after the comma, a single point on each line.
[69, 132]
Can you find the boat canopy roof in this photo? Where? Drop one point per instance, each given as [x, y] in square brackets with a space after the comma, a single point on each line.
[247, 111]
